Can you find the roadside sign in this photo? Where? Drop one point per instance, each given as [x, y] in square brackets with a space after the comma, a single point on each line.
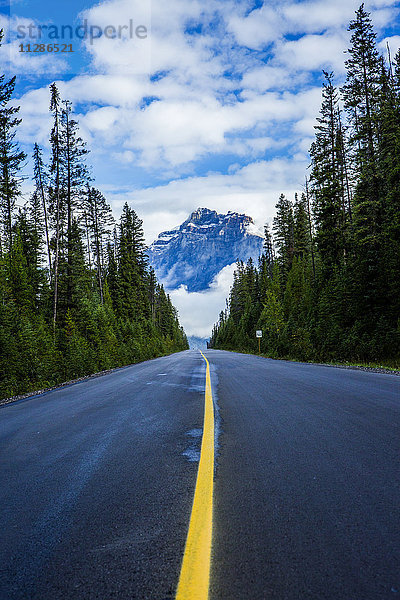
[259, 336]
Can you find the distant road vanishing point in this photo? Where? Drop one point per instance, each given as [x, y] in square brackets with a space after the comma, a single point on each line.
[224, 476]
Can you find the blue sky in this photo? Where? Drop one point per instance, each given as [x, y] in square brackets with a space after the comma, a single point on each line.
[214, 108]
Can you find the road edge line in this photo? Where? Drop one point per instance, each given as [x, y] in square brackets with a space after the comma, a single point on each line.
[194, 580]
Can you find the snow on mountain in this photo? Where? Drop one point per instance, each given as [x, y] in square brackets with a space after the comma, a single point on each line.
[193, 253]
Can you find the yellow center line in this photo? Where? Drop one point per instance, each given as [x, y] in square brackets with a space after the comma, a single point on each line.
[194, 579]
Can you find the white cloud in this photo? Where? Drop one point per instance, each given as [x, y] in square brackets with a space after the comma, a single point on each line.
[170, 132]
[129, 51]
[245, 88]
[194, 113]
[269, 77]
[314, 52]
[394, 45]
[270, 23]
[126, 157]
[198, 311]
[253, 189]
[258, 29]
[23, 62]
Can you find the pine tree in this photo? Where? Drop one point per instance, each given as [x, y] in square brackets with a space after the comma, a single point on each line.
[132, 262]
[55, 191]
[302, 242]
[326, 181]
[388, 166]
[362, 93]
[99, 222]
[310, 227]
[271, 320]
[30, 236]
[396, 74]
[111, 276]
[11, 158]
[266, 262]
[41, 183]
[345, 302]
[283, 229]
[126, 317]
[152, 286]
[74, 173]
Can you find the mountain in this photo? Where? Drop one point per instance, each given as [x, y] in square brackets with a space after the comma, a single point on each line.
[197, 343]
[193, 253]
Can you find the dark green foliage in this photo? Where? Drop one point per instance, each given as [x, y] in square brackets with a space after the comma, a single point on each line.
[75, 297]
[11, 159]
[327, 184]
[334, 294]
[131, 297]
[98, 220]
[284, 234]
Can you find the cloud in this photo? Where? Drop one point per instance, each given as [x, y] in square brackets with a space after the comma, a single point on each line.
[269, 24]
[314, 52]
[129, 52]
[198, 311]
[272, 77]
[18, 62]
[165, 103]
[170, 133]
[216, 107]
[253, 189]
[258, 29]
[394, 45]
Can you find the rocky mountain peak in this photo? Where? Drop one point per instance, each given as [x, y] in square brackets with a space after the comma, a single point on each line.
[193, 253]
[203, 215]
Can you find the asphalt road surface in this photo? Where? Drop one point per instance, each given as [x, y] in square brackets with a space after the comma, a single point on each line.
[97, 482]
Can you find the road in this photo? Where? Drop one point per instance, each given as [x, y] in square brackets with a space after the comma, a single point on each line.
[97, 482]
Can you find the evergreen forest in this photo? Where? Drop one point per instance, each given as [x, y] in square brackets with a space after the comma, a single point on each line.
[77, 295]
[327, 286]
